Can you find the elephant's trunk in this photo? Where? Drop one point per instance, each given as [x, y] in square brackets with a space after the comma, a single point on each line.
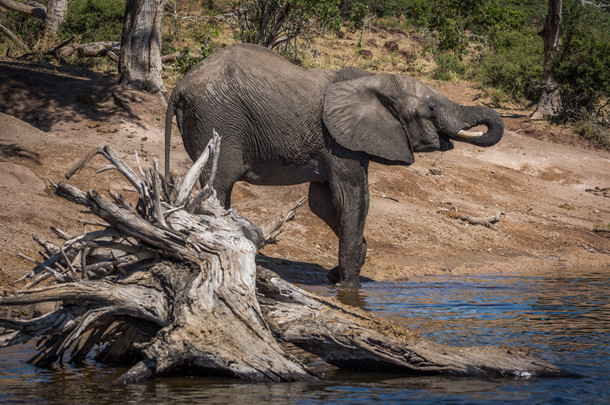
[471, 116]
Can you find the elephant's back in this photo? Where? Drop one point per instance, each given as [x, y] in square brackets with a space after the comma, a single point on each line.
[234, 64]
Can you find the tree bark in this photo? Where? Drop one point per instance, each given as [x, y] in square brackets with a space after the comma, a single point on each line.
[56, 12]
[163, 287]
[140, 58]
[549, 105]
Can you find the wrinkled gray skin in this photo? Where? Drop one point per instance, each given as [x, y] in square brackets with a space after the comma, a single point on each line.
[281, 124]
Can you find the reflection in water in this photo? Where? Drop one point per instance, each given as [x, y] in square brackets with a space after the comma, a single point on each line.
[562, 318]
[355, 297]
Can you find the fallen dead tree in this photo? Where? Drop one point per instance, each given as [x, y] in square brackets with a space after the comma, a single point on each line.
[161, 286]
[95, 49]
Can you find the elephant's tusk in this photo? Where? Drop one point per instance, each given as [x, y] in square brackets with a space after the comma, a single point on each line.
[469, 134]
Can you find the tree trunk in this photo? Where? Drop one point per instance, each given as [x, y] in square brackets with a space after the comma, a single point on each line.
[140, 58]
[550, 100]
[56, 12]
[162, 287]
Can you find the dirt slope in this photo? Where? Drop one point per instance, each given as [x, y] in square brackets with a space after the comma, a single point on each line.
[48, 121]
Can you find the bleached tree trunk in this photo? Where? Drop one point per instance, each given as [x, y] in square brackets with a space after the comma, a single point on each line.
[56, 12]
[140, 58]
[549, 104]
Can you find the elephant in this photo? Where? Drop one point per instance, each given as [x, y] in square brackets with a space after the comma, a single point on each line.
[282, 124]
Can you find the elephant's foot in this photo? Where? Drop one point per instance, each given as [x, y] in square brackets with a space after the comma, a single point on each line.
[334, 276]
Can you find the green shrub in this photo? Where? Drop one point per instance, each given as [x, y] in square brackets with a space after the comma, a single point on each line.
[581, 67]
[204, 32]
[420, 11]
[274, 22]
[26, 28]
[513, 64]
[448, 66]
[591, 128]
[358, 14]
[94, 20]
[188, 60]
[167, 44]
[451, 35]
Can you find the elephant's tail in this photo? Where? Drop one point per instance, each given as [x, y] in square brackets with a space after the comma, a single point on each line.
[169, 117]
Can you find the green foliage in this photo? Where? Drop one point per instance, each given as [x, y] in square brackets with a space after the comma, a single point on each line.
[167, 44]
[420, 11]
[94, 20]
[272, 23]
[513, 65]
[205, 31]
[28, 29]
[448, 66]
[202, 32]
[326, 12]
[452, 18]
[494, 16]
[591, 128]
[451, 35]
[189, 60]
[358, 14]
[581, 67]
[386, 8]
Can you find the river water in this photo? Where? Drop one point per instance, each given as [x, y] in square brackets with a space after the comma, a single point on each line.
[562, 317]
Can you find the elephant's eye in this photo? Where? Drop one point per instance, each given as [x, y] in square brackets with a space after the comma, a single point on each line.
[432, 108]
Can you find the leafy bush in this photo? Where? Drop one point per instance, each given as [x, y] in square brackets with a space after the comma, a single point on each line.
[357, 15]
[275, 22]
[204, 32]
[188, 60]
[513, 65]
[451, 35]
[591, 128]
[94, 20]
[26, 28]
[448, 65]
[581, 67]
[420, 11]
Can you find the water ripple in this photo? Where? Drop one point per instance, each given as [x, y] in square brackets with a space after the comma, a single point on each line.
[564, 318]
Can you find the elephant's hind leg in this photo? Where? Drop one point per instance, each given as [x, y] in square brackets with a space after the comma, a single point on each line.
[230, 169]
[321, 203]
[348, 225]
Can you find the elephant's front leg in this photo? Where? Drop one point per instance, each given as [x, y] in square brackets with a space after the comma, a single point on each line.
[352, 202]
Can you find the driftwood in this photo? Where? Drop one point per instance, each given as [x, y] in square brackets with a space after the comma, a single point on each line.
[95, 49]
[487, 222]
[162, 287]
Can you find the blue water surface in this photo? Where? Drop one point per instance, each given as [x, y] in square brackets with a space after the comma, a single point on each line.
[563, 317]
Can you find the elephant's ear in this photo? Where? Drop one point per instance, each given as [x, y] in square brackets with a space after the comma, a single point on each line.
[361, 115]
